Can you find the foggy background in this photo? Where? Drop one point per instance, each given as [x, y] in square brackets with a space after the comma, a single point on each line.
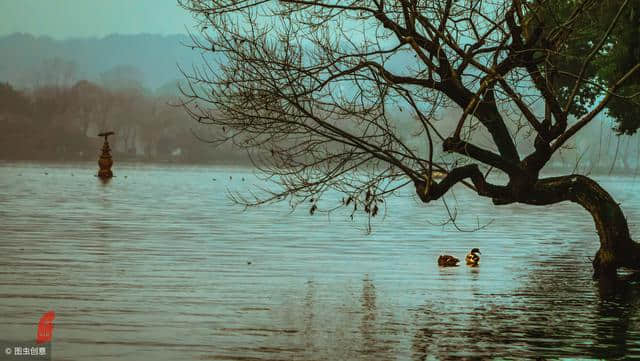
[72, 68]
[61, 19]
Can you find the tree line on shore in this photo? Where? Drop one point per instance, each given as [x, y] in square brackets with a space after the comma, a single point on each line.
[61, 123]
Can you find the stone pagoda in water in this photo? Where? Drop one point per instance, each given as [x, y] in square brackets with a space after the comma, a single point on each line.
[105, 162]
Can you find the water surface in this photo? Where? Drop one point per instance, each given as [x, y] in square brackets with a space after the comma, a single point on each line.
[160, 265]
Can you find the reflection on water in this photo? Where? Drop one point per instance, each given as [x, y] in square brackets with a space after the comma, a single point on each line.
[159, 265]
[547, 317]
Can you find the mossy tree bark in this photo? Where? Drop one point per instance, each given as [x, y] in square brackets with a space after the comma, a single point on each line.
[617, 249]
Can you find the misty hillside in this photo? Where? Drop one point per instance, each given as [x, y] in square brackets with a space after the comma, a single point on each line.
[24, 58]
[117, 64]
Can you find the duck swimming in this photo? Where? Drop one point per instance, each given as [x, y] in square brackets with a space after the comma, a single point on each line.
[447, 261]
[473, 258]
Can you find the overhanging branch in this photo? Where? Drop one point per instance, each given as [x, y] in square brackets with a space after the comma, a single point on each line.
[437, 189]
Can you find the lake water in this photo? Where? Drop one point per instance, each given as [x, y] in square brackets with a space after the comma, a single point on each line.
[155, 266]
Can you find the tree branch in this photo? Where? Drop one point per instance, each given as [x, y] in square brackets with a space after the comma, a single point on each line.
[437, 189]
[481, 155]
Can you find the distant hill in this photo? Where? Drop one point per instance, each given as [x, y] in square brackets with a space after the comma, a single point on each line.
[26, 60]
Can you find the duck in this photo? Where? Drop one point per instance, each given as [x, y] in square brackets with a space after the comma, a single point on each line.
[447, 261]
[472, 258]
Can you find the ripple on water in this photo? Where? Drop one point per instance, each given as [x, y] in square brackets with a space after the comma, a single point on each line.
[161, 265]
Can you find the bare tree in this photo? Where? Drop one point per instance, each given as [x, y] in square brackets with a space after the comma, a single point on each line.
[54, 72]
[309, 88]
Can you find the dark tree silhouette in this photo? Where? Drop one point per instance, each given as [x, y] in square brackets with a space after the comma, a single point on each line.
[310, 88]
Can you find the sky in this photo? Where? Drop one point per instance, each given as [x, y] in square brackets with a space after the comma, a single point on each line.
[61, 19]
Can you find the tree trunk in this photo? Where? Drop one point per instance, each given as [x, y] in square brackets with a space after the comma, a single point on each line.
[617, 249]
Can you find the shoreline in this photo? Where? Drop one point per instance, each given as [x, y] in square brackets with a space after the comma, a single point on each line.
[548, 172]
